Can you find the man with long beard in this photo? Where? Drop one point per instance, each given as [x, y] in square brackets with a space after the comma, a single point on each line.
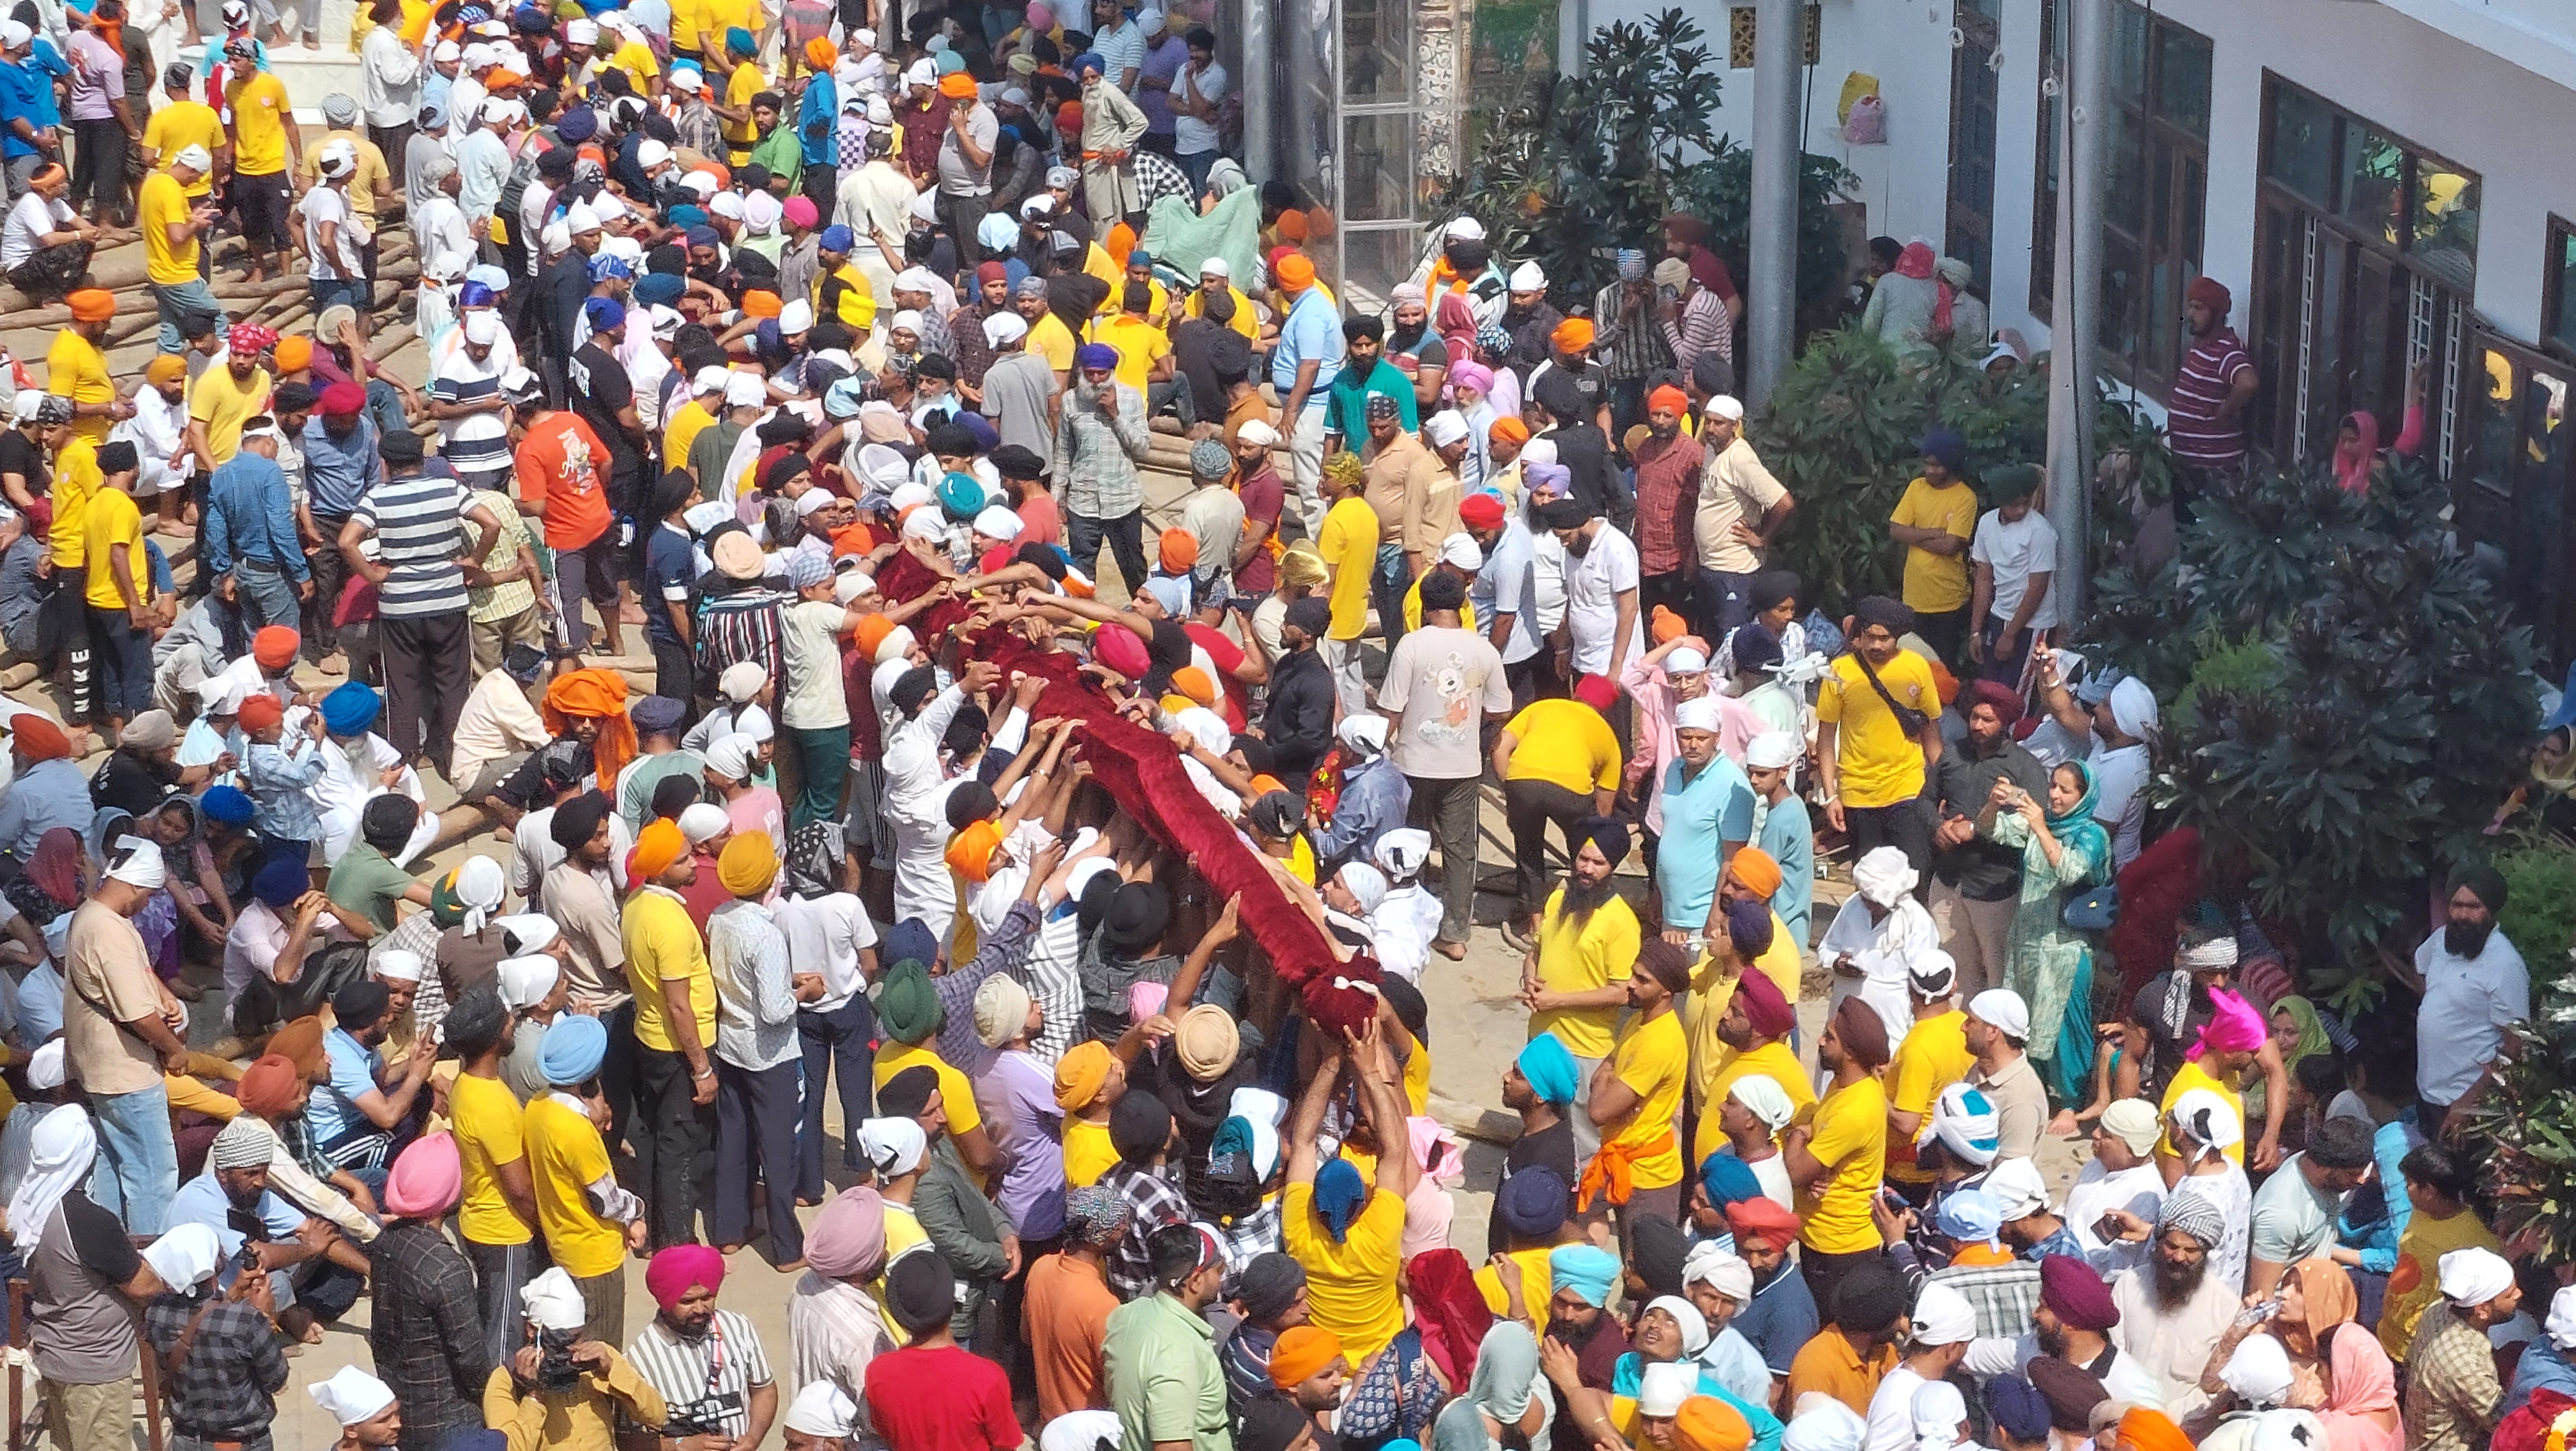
[2474, 985]
[2172, 1309]
[1583, 1343]
[1574, 980]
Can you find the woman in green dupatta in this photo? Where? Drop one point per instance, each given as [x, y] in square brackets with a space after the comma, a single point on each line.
[2063, 850]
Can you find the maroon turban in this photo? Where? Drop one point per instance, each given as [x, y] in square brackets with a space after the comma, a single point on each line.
[2005, 700]
[1764, 1008]
[2075, 1294]
[2211, 293]
[1863, 1032]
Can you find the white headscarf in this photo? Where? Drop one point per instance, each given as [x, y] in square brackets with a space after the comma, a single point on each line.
[2259, 1372]
[479, 886]
[1883, 876]
[185, 1255]
[2133, 708]
[64, 1147]
[1363, 731]
[893, 1145]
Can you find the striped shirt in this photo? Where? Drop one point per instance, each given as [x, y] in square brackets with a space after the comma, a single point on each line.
[420, 529]
[2209, 370]
[706, 1381]
[501, 601]
[477, 445]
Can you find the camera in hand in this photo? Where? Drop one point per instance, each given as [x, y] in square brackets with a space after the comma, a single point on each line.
[555, 1368]
[704, 1416]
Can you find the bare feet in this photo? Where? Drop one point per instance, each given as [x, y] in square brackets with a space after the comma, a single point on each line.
[1454, 951]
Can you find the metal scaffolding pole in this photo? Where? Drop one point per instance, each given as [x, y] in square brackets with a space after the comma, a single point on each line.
[1772, 305]
[2076, 310]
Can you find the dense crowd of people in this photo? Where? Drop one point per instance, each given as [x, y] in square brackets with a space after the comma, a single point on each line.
[1110, 914]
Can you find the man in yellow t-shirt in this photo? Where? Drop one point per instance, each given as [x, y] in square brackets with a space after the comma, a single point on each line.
[1752, 1030]
[1144, 350]
[497, 1212]
[222, 399]
[75, 481]
[173, 219]
[1872, 767]
[698, 414]
[1935, 520]
[589, 1222]
[1636, 1096]
[264, 138]
[675, 1023]
[1837, 1158]
[910, 1014]
[1933, 1056]
[1345, 1230]
[688, 25]
[184, 121]
[118, 588]
[76, 369]
[1348, 542]
[743, 81]
[1574, 977]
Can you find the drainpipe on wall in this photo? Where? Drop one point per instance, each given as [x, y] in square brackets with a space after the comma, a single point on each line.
[2077, 304]
[1260, 91]
[1771, 306]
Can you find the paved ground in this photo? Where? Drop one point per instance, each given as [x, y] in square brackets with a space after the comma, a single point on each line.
[1478, 1026]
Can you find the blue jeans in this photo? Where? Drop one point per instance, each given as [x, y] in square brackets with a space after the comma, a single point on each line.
[331, 291]
[176, 302]
[138, 1165]
[1196, 165]
[836, 1045]
[267, 595]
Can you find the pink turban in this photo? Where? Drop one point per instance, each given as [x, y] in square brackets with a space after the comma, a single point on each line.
[2235, 1026]
[848, 1238]
[426, 1179]
[1118, 647]
[1041, 18]
[673, 1271]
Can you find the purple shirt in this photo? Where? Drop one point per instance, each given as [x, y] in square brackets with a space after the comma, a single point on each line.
[1017, 1097]
[98, 77]
[1162, 63]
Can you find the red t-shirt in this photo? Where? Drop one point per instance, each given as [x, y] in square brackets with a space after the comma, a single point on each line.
[941, 1399]
[1227, 656]
[1041, 522]
[1262, 497]
[558, 465]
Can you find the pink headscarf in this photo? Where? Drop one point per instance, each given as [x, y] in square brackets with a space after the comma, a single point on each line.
[2365, 1387]
[673, 1271]
[2235, 1026]
[2352, 462]
[1915, 261]
[426, 1179]
[1455, 318]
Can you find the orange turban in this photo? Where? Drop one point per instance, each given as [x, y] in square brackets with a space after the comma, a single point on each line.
[274, 646]
[820, 54]
[2152, 1431]
[300, 1042]
[1709, 1424]
[748, 864]
[39, 739]
[1295, 271]
[599, 695]
[1664, 626]
[1509, 428]
[1194, 683]
[871, 633]
[1080, 1075]
[1292, 225]
[957, 86]
[1756, 870]
[1572, 335]
[259, 710]
[757, 303]
[1178, 549]
[657, 846]
[1669, 399]
[970, 852]
[92, 304]
[1302, 1352]
[294, 353]
[269, 1086]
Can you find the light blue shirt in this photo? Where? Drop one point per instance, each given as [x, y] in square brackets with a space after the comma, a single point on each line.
[1790, 839]
[1508, 585]
[1312, 332]
[1700, 814]
[333, 1109]
[1628, 1377]
[40, 1004]
[201, 1201]
[277, 776]
[45, 795]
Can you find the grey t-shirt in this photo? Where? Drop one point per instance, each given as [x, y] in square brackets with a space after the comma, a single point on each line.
[958, 177]
[1440, 683]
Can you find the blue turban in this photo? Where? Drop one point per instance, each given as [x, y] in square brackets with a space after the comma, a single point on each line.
[1089, 60]
[737, 38]
[1340, 1193]
[1550, 1069]
[835, 238]
[703, 235]
[280, 882]
[948, 62]
[577, 125]
[474, 294]
[961, 496]
[1172, 591]
[909, 940]
[603, 267]
[349, 710]
[659, 288]
[605, 314]
[1728, 1179]
[1945, 446]
[1969, 1215]
[659, 714]
[226, 804]
[1139, 257]
[1586, 1269]
[1532, 1202]
[685, 216]
[573, 1049]
[987, 438]
[1095, 355]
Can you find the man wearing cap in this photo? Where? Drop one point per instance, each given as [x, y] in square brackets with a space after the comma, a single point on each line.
[263, 139]
[1996, 1027]
[422, 526]
[2453, 1396]
[2211, 391]
[2122, 1176]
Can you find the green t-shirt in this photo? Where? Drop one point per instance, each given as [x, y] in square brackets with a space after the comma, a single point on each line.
[635, 789]
[367, 883]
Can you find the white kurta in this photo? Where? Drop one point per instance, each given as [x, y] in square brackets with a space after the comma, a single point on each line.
[349, 781]
[916, 801]
[1882, 952]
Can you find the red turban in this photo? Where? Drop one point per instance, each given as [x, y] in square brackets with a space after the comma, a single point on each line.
[269, 1086]
[2210, 293]
[39, 739]
[1761, 1220]
[2005, 700]
[1764, 1008]
[342, 400]
[2075, 1294]
[274, 646]
[674, 1271]
[260, 710]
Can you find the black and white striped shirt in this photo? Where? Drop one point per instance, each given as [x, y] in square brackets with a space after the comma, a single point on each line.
[477, 446]
[421, 532]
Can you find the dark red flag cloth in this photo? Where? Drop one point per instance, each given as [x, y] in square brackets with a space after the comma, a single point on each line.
[1141, 771]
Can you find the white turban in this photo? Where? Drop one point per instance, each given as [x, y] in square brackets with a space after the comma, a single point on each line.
[2474, 1276]
[525, 932]
[479, 886]
[1696, 714]
[1444, 428]
[553, 1302]
[745, 390]
[1826, 1425]
[1665, 1385]
[1401, 853]
[137, 863]
[2207, 1120]
[915, 279]
[1207, 730]
[1363, 731]
[2003, 1008]
[1528, 277]
[1685, 1314]
[895, 646]
[1937, 1410]
[2561, 1324]
[185, 1255]
[2259, 1372]
[1721, 1269]
[528, 980]
[796, 315]
[1685, 661]
[1943, 1316]
[60, 1153]
[894, 1146]
[1257, 433]
[822, 1409]
[997, 522]
[351, 1395]
[730, 755]
[1464, 229]
[1772, 751]
[2133, 708]
[1461, 551]
[1765, 1099]
[703, 821]
[1079, 1431]
[1365, 883]
[814, 501]
[1883, 876]
[742, 680]
[394, 964]
[45, 1065]
[1003, 329]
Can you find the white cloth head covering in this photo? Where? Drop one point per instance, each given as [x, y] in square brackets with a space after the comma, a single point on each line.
[730, 755]
[1004, 328]
[2288, 1429]
[1936, 1413]
[1528, 277]
[2002, 1008]
[394, 964]
[1207, 729]
[1967, 1123]
[1080, 1431]
[745, 390]
[1365, 883]
[1685, 661]
[896, 645]
[1363, 731]
[2206, 1120]
[351, 1395]
[553, 1302]
[1696, 714]
[2561, 1324]
[1765, 1099]
[1539, 451]
[2133, 1122]
[1884, 876]
[1665, 1385]
[893, 1145]
[479, 885]
[185, 1255]
[2469, 1277]
[1257, 433]
[1826, 1425]
[997, 522]
[703, 821]
[1685, 1314]
[137, 863]
[45, 1065]
[1772, 751]
[528, 980]
[796, 315]
[60, 1153]
[2259, 1371]
[823, 1409]
[742, 679]
[1462, 551]
[1943, 1316]
[1721, 1269]
[2016, 1186]
[2133, 708]
[1444, 428]
[523, 932]
[1402, 852]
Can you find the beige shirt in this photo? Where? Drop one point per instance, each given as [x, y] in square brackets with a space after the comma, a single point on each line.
[2021, 1107]
[105, 965]
[497, 721]
[592, 931]
[1386, 473]
[1734, 488]
[1431, 495]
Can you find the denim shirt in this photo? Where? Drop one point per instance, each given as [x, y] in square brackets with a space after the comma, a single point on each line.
[337, 474]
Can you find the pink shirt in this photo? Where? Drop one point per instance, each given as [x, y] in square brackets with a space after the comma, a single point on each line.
[98, 77]
[759, 809]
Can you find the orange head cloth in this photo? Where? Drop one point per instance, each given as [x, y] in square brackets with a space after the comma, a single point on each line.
[1179, 549]
[757, 303]
[1511, 429]
[1669, 399]
[260, 710]
[871, 633]
[1193, 683]
[1302, 1352]
[274, 646]
[1292, 225]
[657, 846]
[1665, 626]
[970, 852]
[92, 304]
[1756, 870]
[2152, 1431]
[294, 353]
[300, 1043]
[601, 696]
[820, 54]
[1296, 272]
[1572, 335]
[1709, 1424]
[39, 739]
[957, 86]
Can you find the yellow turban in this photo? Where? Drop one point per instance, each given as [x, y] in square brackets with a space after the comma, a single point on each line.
[748, 864]
[1080, 1074]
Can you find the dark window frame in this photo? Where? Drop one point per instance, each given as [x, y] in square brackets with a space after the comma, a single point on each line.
[2557, 324]
[2173, 231]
